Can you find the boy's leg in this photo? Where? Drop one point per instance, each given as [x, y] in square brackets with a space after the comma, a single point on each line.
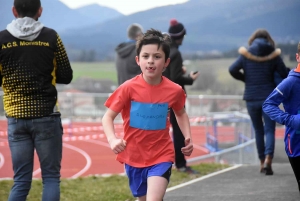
[158, 180]
[156, 188]
[137, 181]
[143, 198]
[295, 163]
[22, 152]
[48, 142]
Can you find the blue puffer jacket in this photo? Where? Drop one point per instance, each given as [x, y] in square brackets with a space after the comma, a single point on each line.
[256, 67]
[287, 93]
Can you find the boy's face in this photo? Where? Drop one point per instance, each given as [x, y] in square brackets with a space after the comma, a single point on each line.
[152, 61]
[298, 57]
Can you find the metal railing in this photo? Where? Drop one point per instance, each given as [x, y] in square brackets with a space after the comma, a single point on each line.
[79, 106]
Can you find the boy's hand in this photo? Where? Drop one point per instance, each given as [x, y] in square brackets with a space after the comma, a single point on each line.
[188, 149]
[117, 145]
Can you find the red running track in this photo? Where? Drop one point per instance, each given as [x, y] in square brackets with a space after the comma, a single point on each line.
[86, 151]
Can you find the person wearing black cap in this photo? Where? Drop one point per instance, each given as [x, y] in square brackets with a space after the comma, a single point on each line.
[176, 72]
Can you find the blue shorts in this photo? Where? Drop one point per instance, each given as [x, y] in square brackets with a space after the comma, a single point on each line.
[138, 176]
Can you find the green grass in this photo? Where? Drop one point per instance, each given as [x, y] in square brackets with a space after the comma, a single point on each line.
[103, 188]
[97, 70]
[218, 67]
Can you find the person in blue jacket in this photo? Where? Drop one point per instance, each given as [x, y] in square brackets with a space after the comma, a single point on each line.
[287, 93]
[256, 67]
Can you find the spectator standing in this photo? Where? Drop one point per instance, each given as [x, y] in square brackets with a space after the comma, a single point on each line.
[126, 65]
[32, 60]
[176, 73]
[256, 67]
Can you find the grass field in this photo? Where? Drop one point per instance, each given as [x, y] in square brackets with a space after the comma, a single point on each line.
[220, 81]
[114, 188]
[97, 70]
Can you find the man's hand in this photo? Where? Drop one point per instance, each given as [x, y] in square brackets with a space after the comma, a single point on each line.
[188, 149]
[117, 145]
[194, 75]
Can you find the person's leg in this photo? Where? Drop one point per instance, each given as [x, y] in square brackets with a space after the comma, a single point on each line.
[295, 163]
[158, 180]
[270, 143]
[178, 140]
[137, 181]
[156, 188]
[22, 152]
[255, 113]
[270, 135]
[48, 142]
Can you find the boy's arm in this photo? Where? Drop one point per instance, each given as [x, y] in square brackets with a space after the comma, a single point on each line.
[184, 125]
[64, 72]
[117, 145]
[271, 108]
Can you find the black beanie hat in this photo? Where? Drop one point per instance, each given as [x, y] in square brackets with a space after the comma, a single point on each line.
[176, 29]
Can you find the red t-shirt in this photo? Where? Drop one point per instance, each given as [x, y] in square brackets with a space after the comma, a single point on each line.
[145, 113]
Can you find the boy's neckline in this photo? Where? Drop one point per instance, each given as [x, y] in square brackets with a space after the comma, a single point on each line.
[149, 84]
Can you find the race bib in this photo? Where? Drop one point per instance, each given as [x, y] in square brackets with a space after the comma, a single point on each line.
[148, 116]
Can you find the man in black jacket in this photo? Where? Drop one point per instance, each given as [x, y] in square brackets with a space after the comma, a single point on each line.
[176, 72]
[33, 60]
[127, 67]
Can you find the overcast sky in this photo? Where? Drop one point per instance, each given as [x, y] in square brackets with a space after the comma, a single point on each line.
[123, 6]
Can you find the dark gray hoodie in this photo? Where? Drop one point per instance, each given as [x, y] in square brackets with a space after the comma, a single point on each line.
[126, 65]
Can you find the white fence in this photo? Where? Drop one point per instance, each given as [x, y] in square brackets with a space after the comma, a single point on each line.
[202, 109]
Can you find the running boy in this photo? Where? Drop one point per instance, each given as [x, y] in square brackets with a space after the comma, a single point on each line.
[144, 103]
[287, 93]
[32, 60]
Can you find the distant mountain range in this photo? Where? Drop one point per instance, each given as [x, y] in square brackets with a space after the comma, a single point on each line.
[60, 17]
[211, 24]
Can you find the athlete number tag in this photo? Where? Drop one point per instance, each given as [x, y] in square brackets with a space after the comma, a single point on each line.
[148, 116]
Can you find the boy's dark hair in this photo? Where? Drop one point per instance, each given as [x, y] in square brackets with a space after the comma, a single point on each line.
[153, 36]
[261, 33]
[27, 8]
[299, 48]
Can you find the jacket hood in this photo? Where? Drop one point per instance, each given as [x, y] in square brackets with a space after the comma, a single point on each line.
[25, 28]
[260, 50]
[125, 49]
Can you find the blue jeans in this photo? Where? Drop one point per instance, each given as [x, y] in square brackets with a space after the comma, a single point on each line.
[45, 136]
[264, 128]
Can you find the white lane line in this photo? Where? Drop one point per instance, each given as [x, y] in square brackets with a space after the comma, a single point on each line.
[105, 144]
[1, 160]
[201, 148]
[87, 157]
[202, 178]
[38, 171]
